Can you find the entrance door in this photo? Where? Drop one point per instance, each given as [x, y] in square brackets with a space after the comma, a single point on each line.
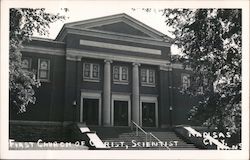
[148, 114]
[121, 113]
[90, 111]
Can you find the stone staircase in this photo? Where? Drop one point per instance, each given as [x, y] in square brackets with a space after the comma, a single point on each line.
[176, 143]
[122, 138]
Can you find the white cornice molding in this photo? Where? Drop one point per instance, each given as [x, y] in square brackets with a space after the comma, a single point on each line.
[99, 34]
[115, 57]
[120, 47]
[44, 50]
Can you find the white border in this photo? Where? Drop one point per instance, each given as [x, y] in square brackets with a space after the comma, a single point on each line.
[200, 154]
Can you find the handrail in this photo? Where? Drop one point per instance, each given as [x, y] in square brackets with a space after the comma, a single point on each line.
[146, 133]
[155, 137]
[137, 126]
[151, 134]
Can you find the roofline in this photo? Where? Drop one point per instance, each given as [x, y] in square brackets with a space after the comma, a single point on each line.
[66, 25]
[46, 39]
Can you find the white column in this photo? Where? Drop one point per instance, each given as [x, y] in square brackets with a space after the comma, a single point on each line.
[107, 93]
[135, 94]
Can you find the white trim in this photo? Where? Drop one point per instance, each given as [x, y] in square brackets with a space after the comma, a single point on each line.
[99, 34]
[116, 57]
[91, 95]
[150, 99]
[44, 50]
[120, 47]
[120, 97]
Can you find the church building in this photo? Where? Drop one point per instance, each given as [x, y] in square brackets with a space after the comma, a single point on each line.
[107, 71]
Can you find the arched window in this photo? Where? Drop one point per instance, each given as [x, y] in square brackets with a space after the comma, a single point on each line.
[44, 69]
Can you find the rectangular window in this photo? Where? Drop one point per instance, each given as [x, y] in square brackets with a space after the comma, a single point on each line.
[147, 77]
[151, 76]
[144, 76]
[124, 74]
[86, 70]
[116, 73]
[26, 63]
[95, 71]
[91, 71]
[120, 74]
[43, 69]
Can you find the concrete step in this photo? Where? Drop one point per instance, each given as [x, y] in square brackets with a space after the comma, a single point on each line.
[117, 135]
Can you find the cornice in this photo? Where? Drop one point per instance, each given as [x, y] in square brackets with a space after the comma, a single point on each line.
[115, 57]
[44, 50]
[113, 36]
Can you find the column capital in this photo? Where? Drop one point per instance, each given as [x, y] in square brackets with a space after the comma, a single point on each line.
[136, 64]
[108, 61]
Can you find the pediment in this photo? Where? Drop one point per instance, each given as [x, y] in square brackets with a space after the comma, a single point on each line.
[120, 24]
[122, 28]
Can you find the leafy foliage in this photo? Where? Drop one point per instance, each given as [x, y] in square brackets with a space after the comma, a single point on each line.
[24, 22]
[210, 40]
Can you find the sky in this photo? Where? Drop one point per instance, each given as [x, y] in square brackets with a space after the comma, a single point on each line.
[79, 12]
[82, 11]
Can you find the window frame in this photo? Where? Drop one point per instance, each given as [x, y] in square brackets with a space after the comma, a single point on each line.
[91, 71]
[39, 69]
[120, 74]
[148, 83]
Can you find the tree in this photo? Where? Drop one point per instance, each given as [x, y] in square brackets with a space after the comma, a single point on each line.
[210, 40]
[24, 22]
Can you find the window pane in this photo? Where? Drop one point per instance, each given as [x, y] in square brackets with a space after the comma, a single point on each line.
[44, 64]
[95, 71]
[116, 73]
[43, 74]
[143, 75]
[124, 73]
[43, 69]
[86, 70]
[151, 76]
[87, 67]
